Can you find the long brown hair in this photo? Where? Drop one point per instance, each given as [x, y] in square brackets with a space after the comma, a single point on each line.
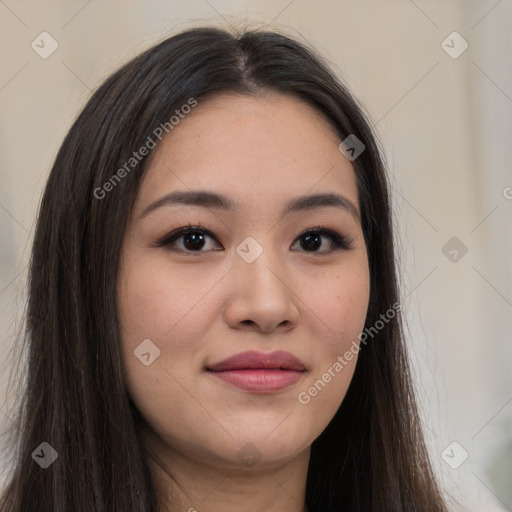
[371, 457]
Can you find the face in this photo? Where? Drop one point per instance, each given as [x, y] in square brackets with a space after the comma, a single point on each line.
[266, 269]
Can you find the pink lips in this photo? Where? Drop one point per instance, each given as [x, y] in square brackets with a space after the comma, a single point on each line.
[258, 372]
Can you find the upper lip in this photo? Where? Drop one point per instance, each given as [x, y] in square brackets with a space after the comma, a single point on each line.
[257, 360]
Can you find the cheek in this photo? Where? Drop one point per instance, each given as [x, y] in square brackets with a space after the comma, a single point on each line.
[158, 305]
[339, 301]
[174, 309]
[154, 300]
[337, 307]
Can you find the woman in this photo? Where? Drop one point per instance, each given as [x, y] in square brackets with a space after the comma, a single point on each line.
[213, 317]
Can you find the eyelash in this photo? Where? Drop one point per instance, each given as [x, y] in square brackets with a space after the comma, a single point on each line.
[340, 242]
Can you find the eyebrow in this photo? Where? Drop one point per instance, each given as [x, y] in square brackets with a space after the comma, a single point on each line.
[208, 199]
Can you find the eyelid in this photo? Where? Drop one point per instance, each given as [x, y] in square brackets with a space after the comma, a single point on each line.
[340, 241]
[177, 233]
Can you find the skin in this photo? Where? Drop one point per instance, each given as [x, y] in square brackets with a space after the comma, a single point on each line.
[201, 307]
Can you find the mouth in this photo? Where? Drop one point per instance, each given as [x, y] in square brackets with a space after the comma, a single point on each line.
[258, 372]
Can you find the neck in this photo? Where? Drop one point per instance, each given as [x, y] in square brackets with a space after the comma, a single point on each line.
[186, 484]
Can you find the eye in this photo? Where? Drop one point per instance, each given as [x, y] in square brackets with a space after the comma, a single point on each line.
[311, 240]
[191, 238]
[194, 239]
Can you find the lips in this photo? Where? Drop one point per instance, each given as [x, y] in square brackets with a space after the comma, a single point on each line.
[258, 372]
[253, 360]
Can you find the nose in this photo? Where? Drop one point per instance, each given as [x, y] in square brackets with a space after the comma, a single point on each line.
[262, 296]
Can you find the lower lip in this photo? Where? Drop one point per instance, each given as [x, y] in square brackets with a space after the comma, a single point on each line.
[261, 381]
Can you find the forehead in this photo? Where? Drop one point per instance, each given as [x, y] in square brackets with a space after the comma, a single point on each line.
[255, 149]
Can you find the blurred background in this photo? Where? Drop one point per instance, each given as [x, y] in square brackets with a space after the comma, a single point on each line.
[435, 78]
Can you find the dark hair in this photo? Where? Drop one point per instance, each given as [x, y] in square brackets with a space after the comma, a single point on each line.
[371, 456]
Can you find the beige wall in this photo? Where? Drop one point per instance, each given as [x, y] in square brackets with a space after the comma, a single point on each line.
[446, 127]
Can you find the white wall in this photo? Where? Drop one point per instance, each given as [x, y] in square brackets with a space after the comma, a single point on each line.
[446, 126]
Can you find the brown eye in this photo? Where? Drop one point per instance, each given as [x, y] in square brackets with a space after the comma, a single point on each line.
[311, 240]
[190, 238]
[195, 238]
